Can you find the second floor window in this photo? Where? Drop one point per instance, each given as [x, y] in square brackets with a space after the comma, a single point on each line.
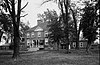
[32, 34]
[28, 35]
[39, 34]
[46, 34]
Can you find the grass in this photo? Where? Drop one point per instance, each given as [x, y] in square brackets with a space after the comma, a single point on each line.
[76, 57]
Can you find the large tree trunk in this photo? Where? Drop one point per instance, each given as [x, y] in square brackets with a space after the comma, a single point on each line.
[57, 45]
[16, 21]
[65, 21]
[15, 15]
[88, 46]
[77, 41]
[67, 48]
[16, 43]
[66, 3]
[78, 36]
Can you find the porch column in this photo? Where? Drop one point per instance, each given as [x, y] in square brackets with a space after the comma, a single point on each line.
[36, 43]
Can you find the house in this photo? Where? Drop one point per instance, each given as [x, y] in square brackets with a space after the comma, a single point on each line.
[4, 43]
[82, 42]
[37, 37]
[7, 44]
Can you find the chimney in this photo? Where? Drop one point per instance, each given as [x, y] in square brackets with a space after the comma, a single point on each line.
[39, 22]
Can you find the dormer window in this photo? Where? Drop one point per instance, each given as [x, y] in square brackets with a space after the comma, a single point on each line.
[39, 34]
[32, 34]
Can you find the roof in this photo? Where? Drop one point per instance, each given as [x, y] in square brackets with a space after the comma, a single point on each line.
[43, 26]
[32, 29]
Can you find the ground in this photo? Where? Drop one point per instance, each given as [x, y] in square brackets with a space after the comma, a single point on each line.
[76, 57]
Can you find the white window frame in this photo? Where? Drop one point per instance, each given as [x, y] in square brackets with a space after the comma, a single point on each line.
[28, 42]
[32, 34]
[74, 44]
[81, 44]
[28, 35]
[46, 41]
[46, 34]
[39, 34]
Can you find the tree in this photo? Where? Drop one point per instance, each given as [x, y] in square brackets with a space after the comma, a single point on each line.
[89, 26]
[97, 9]
[15, 13]
[76, 15]
[56, 32]
[64, 7]
[54, 26]
[23, 27]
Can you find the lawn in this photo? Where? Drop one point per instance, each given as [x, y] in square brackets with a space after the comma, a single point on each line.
[52, 58]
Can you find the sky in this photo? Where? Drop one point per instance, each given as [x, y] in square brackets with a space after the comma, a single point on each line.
[35, 7]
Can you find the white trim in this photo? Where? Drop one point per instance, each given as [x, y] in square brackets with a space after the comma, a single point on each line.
[38, 29]
[32, 34]
[39, 34]
[81, 44]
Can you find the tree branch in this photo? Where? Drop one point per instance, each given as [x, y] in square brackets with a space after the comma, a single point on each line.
[46, 1]
[8, 6]
[24, 15]
[24, 6]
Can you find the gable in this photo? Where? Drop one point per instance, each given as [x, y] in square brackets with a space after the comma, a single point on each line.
[38, 29]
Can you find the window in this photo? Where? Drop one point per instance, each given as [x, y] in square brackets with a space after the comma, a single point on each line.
[74, 44]
[46, 41]
[28, 35]
[28, 42]
[46, 34]
[81, 44]
[32, 34]
[41, 42]
[4, 37]
[39, 34]
[22, 39]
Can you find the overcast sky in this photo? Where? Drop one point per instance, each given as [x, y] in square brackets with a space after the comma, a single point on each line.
[34, 7]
